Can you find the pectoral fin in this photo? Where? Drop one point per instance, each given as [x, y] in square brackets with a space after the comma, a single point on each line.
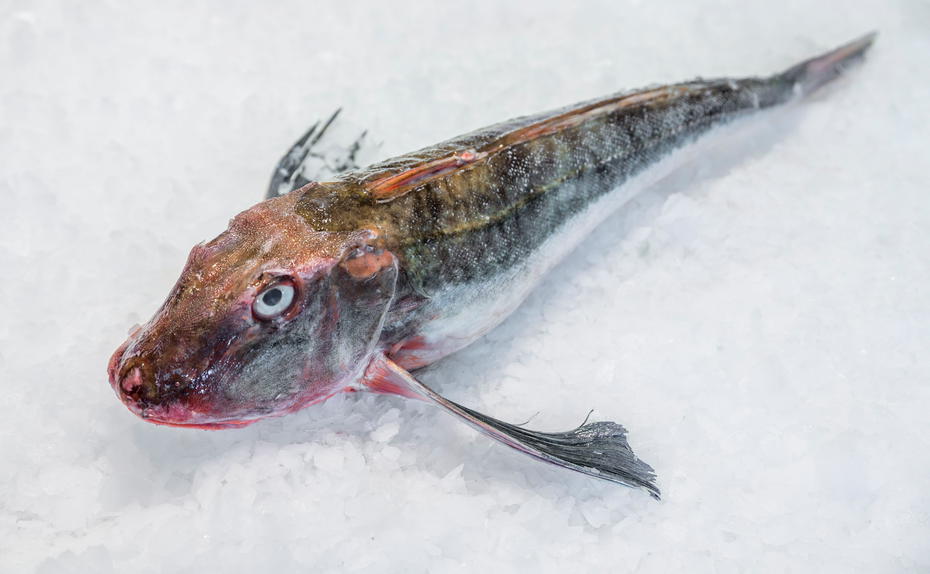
[597, 449]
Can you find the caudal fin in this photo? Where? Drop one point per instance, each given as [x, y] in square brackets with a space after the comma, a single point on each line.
[811, 74]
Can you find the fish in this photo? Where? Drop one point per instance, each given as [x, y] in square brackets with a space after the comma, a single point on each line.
[356, 282]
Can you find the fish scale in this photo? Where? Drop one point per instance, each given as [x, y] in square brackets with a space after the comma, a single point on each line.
[472, 223]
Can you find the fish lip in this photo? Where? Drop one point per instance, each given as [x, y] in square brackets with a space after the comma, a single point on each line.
[217, 425]
[180, 416]
[183, 417]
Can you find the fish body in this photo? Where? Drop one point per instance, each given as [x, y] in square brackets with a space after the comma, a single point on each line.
[352, 283]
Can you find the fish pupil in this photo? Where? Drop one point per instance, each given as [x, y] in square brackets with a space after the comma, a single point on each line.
[272, 297]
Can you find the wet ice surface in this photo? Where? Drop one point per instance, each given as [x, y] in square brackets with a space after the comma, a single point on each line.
[763, 334]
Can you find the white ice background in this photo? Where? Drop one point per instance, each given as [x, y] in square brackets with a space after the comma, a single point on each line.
[763, 333]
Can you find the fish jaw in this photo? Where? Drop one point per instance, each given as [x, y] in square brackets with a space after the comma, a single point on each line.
[180, 414]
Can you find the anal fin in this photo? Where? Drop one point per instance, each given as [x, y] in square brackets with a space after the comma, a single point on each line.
[597, 449]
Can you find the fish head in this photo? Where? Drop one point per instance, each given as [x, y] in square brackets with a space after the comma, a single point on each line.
[270, 316]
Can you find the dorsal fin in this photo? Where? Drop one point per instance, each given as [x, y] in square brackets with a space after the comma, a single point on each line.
[393, 185]
[577, 116]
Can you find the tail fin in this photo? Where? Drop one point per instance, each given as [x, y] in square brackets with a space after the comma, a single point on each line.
[809, 75]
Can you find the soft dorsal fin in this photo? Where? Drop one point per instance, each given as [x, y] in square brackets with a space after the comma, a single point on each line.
[597, 449]
[581, 114]
[393, 185]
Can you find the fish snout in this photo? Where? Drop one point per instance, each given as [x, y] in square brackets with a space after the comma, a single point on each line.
[129, 381]
[113, 366]
[156, 385]
[136, 386]
[136, 380]
[163, 402]
[132, 384]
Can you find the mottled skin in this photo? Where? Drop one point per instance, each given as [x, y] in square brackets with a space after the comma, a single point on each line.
[401, 263]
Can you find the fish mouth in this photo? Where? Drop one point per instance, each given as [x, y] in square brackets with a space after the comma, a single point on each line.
[174, 414]
[177, 414]
[172, 419]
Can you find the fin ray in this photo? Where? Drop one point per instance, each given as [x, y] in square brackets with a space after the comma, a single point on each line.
[811, 74]
[598, 449]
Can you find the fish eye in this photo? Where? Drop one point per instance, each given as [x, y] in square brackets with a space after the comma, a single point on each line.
[274, 300]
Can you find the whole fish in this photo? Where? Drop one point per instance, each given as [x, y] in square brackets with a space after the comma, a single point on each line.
[351, 284]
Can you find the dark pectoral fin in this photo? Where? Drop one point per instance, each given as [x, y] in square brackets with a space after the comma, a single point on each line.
[598, 449]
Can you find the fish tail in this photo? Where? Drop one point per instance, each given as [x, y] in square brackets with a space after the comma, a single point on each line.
[808, 76]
